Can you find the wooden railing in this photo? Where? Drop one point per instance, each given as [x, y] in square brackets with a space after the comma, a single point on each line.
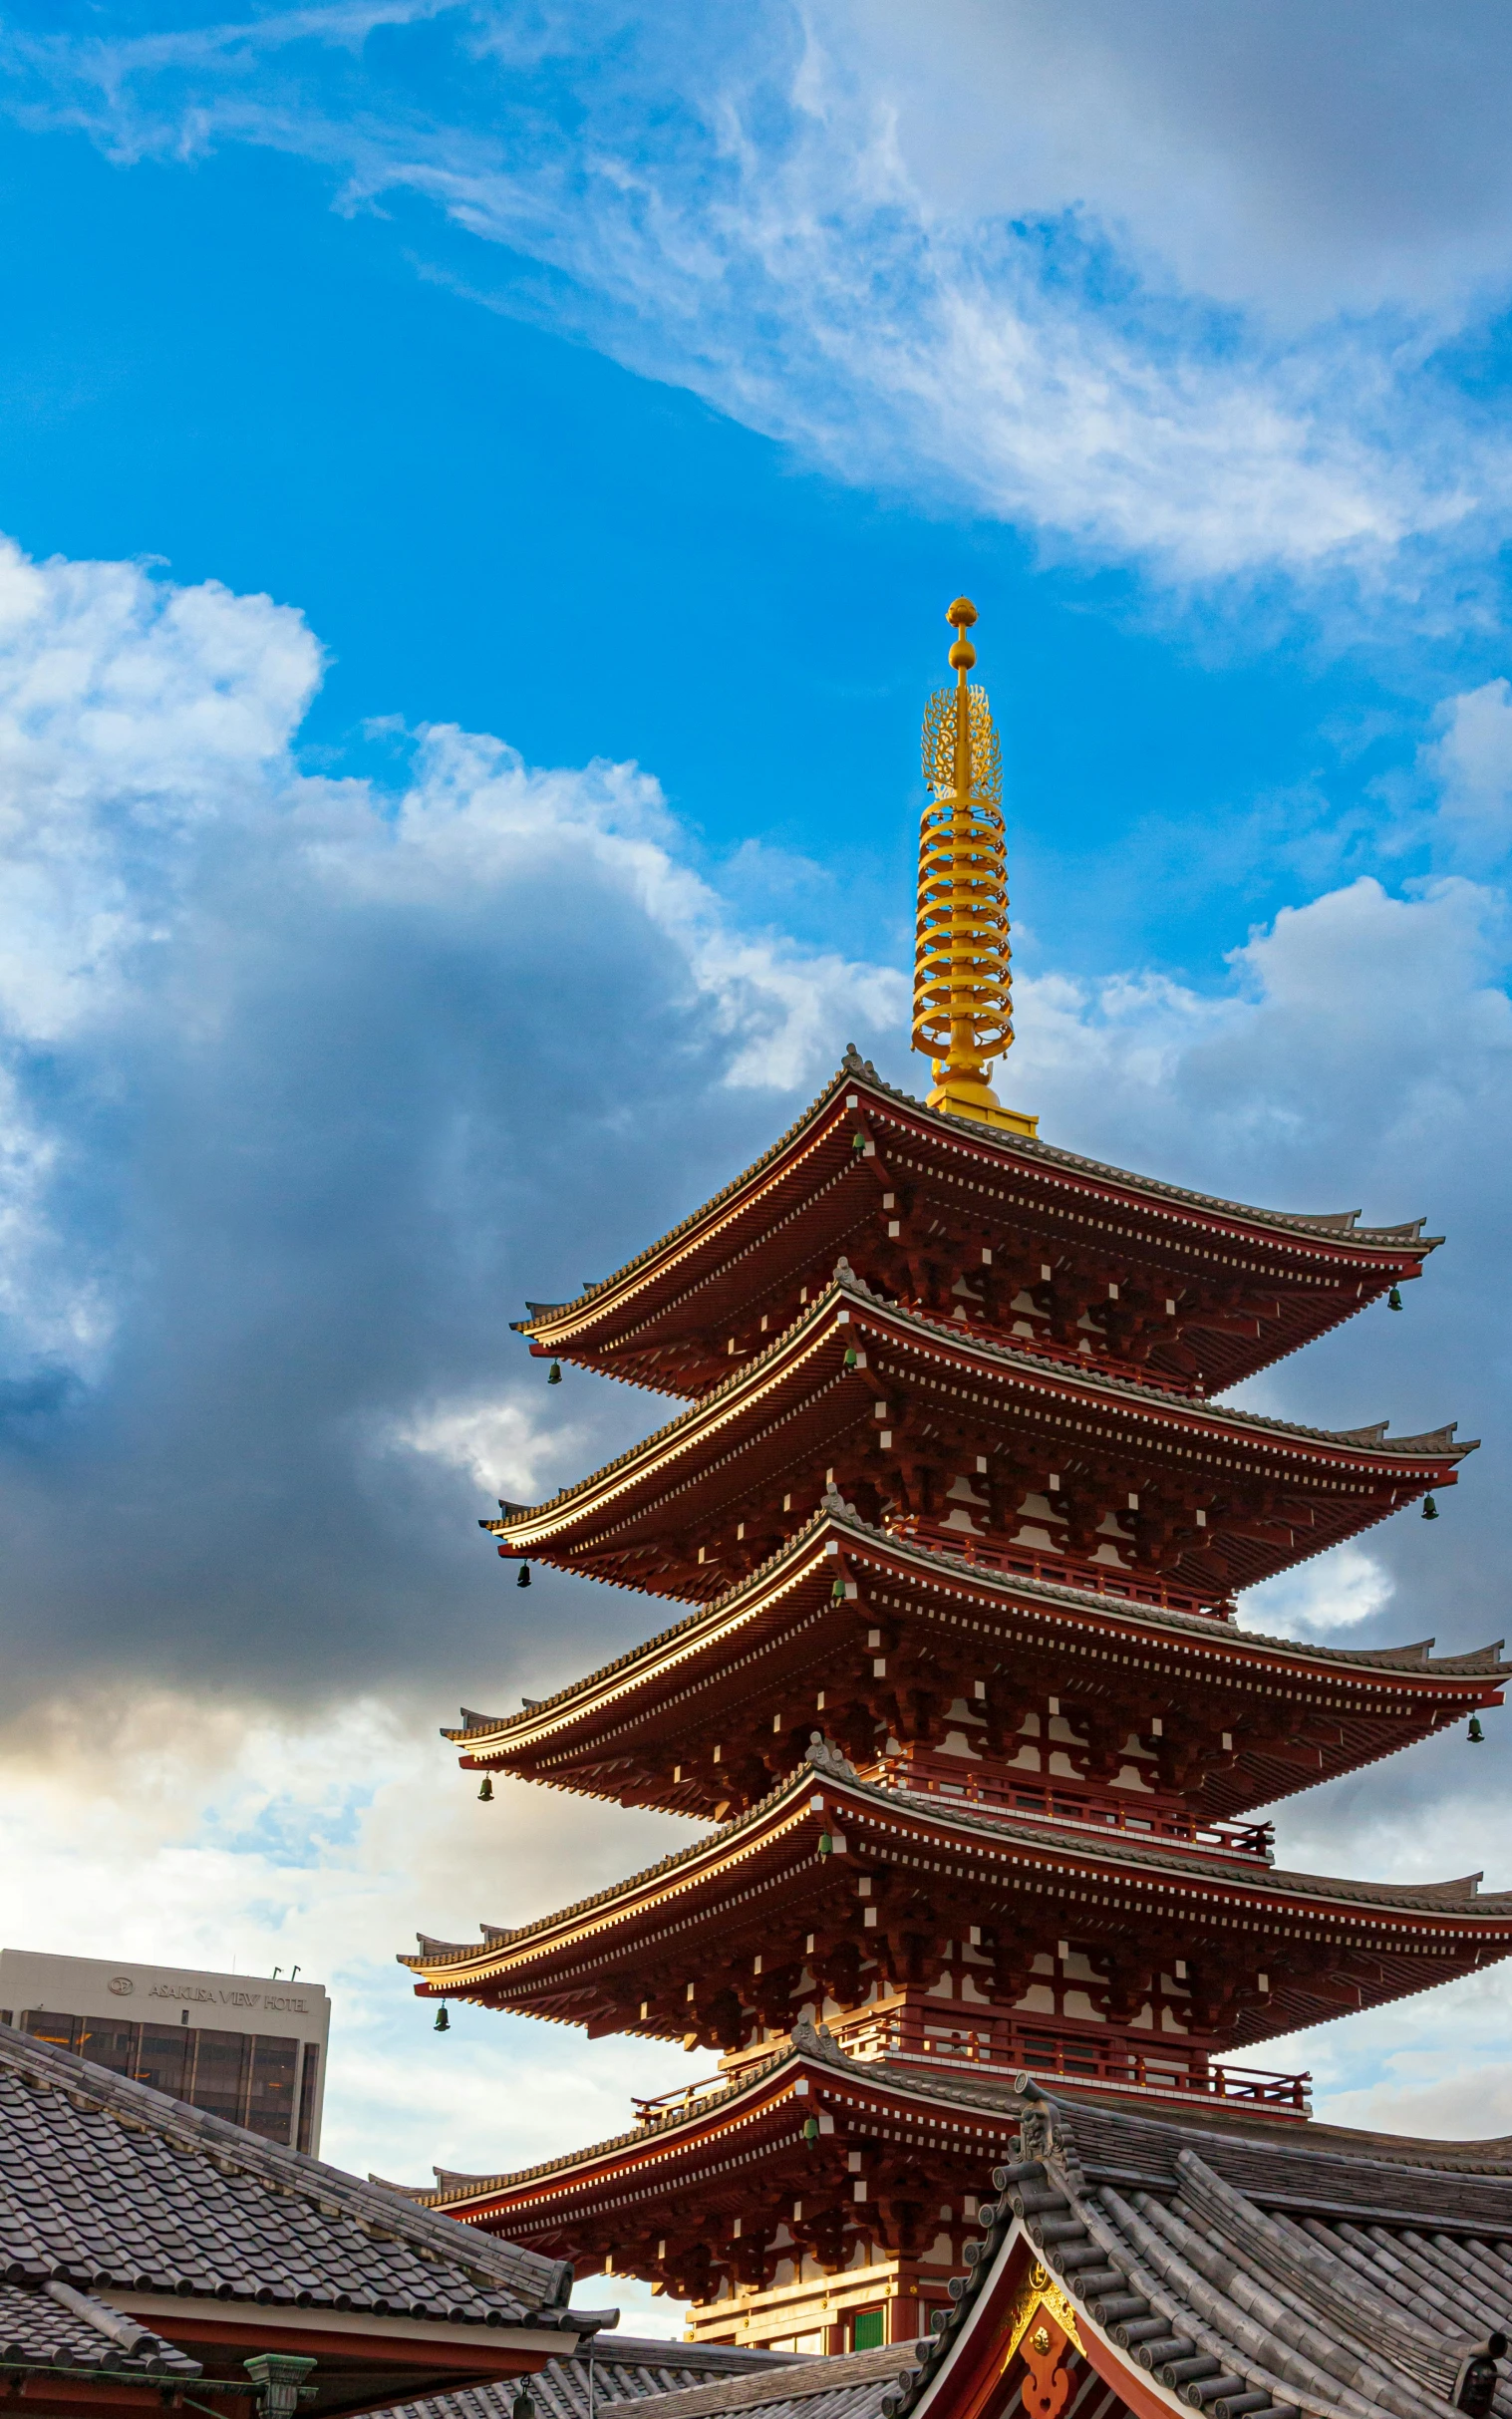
[1057, 1803]
[1067, 1569]
[1102, 1361]
[1012, 2042]
[1001, 2045]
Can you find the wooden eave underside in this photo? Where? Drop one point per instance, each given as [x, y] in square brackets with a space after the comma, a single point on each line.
[781, 1637]
[761, 1884]
[812, 1196]
[729, 2136]
[795, 1409]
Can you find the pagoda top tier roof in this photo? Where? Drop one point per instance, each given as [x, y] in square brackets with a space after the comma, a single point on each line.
[732, 1659]
[660, 1320]
[786, 1408]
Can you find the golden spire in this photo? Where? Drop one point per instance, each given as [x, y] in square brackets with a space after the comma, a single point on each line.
[962, 1011]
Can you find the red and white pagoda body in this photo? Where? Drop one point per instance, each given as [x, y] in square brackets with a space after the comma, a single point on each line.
[965, 1693]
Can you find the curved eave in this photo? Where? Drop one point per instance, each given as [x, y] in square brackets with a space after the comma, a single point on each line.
[671, 2151]
[776, 1836]
[696, 1437]
[703, 1659]
[672, 1264]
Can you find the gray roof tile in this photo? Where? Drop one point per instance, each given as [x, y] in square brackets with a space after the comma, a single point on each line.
[112, 2187]
[51, 2327]
[1336, 2272]
[610, 2369]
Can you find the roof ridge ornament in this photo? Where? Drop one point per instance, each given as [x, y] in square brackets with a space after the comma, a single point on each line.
[810, 2040]
[825, 1756]
[963, 1014]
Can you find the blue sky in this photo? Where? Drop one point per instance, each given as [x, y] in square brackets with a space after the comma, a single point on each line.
[482, 485]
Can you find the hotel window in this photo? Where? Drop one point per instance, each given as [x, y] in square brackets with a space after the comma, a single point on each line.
[220, 2062]
[107, 2042]
[270, 2099]
[62, 2030]
[255, 2080]
[162, 2057]
[307, 2096]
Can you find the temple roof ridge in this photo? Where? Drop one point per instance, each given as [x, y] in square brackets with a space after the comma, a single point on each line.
[1322, 2318]
[1143, 1393]
[1342, 1223]
[1416, 1655]
[834, 2375]
[346, 2205]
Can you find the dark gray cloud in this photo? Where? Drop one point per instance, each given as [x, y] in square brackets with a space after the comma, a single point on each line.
[342, 1079]
[1311, 158]
[310, 1087]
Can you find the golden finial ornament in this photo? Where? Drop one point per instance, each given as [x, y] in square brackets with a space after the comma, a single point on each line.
[963, 1016]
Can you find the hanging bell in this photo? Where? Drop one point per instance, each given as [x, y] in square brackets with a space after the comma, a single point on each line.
[1394, 1298]
[485, 1792]
[858, 1144]
[1476, 1735]
[826, 1844]
[443, 2020]
[523, 1575]
[852, 1356]
[837, 1593]
[810, 2130]
[1429, 1508]
[555, 1374]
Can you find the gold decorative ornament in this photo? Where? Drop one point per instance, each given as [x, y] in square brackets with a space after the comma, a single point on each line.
[1039, 2293]
[963, 1017]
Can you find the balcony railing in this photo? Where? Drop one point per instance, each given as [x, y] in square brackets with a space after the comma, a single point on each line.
[1067, 1570]
[1100, 1362]
[1005, 2044]
[1011, 2043]
[1085, 1809]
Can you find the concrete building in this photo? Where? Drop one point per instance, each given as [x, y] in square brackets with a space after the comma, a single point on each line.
[247, 2048]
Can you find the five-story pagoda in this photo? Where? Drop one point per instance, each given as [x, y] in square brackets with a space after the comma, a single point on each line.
[963, 1692]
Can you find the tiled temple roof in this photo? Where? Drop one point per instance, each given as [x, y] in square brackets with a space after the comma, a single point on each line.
[1324, 2273]
[608, 2369]
[849, 2385]
[107, 2185]
[1032, 1832]
[843, 1518]
[1338, 1224]
[1145, 1395]
[52, 2325]
[1333, 2272]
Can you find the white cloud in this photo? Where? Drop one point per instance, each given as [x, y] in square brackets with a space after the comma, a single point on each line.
[1337, 1592]
[1363, 1030]
[274, 1051]
[191, 1831]
[1471, 766]
[503, 1448]
[761, 208]
[329, 1096]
